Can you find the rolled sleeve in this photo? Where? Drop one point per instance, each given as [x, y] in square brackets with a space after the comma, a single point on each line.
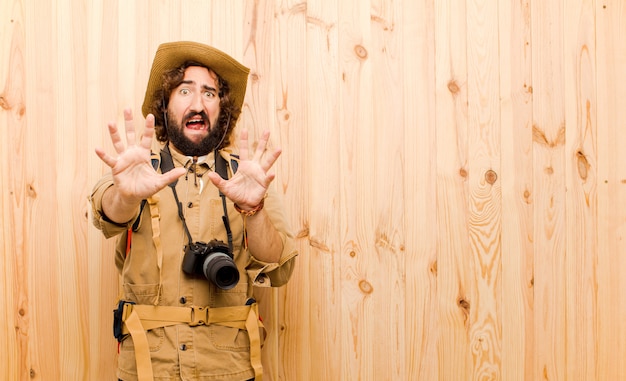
[264, 274]
[99, 219]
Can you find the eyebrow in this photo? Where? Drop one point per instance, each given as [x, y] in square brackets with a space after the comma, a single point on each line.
[204, 87]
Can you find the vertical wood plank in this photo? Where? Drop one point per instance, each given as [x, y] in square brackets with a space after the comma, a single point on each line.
[611, 139]
[313, 323]
[41, 245]
[517, 190]
[485, 201]
[418, 96]
[581, 178]
[549, 182]
[14, 291]
[357, 194]
[71, 187]
[454, 272]
[386, 270]
[101, 106]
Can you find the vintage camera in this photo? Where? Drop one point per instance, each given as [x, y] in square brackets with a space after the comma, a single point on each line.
[213, 260]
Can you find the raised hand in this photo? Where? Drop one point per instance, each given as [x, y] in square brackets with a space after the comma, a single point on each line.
[248, 186]
[134, 177]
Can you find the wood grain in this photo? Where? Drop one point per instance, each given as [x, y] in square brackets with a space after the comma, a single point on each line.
[611, 137]
[453, 171]
[421, 322]
[485, 200]
[517, 191]
[581, 153]
[454, 272]
[549, 129]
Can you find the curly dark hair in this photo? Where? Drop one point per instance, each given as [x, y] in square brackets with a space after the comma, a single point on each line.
[172, 78]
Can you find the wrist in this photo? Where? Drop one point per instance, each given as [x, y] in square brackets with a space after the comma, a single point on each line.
[248, 212]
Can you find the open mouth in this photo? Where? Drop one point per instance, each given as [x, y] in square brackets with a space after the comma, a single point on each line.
[196, 123]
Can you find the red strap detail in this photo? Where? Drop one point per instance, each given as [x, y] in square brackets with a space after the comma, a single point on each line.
[128, 239]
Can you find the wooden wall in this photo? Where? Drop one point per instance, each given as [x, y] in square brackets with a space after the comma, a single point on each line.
[455, 172]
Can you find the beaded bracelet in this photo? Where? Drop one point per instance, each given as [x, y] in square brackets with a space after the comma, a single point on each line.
[249, 213]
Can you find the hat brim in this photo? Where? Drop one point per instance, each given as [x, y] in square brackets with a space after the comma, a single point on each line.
[173, 54]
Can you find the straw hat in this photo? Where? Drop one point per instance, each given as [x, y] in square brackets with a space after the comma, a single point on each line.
[173, 54]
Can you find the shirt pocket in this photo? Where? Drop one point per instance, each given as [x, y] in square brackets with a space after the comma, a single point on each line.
[229, 338]
[155, 340]
[141, 293]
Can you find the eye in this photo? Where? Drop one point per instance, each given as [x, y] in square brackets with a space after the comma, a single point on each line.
[209, 94]
[184, 91]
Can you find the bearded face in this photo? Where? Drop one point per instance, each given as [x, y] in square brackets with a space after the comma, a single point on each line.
[193, 111]
[195, 121]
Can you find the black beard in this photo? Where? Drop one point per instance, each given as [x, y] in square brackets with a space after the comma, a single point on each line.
[185, 145]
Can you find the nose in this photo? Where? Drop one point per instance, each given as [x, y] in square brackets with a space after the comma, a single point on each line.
[196, 102]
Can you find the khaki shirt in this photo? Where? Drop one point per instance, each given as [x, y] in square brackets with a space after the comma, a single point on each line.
[179, 352]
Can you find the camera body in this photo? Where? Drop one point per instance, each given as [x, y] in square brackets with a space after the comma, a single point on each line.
[214, 261]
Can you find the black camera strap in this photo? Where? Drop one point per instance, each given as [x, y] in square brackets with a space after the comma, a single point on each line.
[220, 168]
[167, 164]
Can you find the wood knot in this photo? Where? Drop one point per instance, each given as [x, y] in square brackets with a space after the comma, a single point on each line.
[366, 287]
[433, 268]
[463, 172]
[464, 304]
[320, 245]
[453, 87]
[360, 51]
[4, 104]
[304, 232]
[30, 191]
[491, 176]
[583, 165]
[465, 308]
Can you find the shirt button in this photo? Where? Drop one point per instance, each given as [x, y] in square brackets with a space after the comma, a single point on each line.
[183, 300]
[190, 204]
[183, 347]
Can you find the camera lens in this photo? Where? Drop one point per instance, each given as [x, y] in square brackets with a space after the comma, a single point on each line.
[221, 270]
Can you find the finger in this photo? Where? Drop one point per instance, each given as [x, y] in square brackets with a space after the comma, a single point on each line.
[216, 179]
[270, 158]
[262, 146]
[130, 128]
[243, 144]
[148, 132]
[116, 139]
[171, 176]
[108, 160]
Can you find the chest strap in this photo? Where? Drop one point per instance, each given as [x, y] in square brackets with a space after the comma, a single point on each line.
[138, 318]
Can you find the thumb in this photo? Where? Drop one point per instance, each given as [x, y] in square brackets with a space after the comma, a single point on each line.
[216, 179]
[171, 176]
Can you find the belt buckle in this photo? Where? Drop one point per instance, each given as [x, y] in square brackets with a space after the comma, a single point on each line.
[199, 316]
[119, 316]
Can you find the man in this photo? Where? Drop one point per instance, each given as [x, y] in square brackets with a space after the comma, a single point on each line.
[190, 250]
